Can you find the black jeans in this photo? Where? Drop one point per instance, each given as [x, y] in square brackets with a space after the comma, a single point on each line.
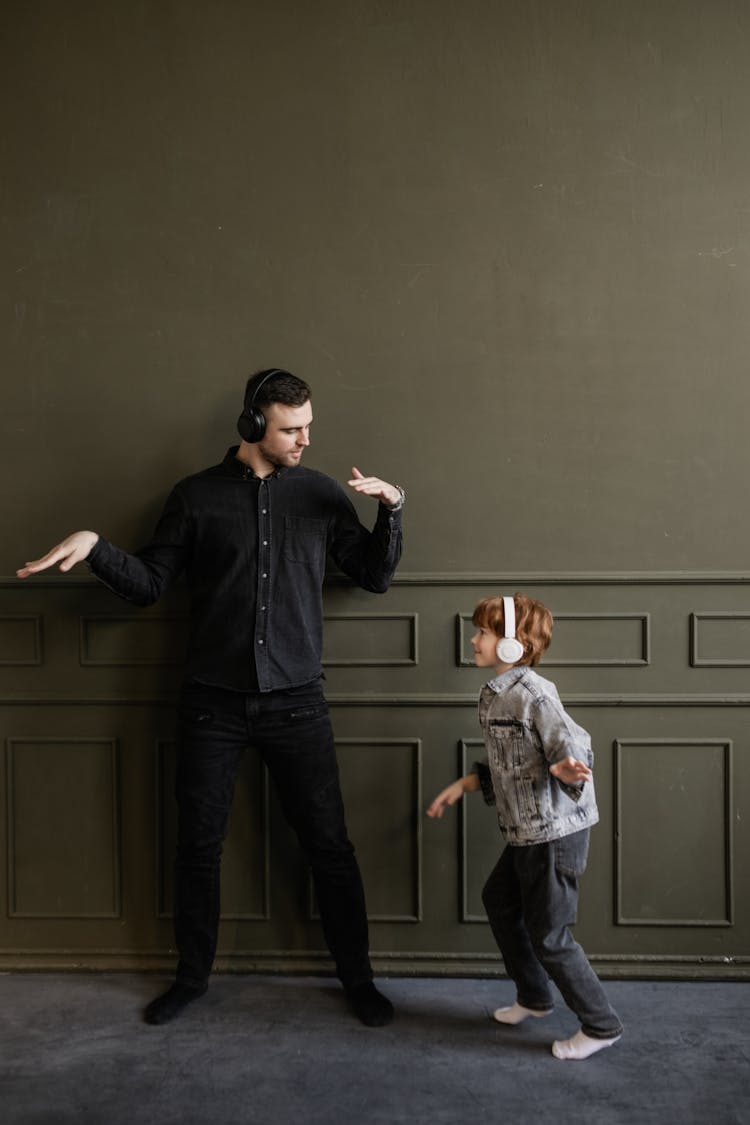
[531, 899]
[292, 731]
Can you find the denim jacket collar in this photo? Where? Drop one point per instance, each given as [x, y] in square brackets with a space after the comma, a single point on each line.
[506, 680]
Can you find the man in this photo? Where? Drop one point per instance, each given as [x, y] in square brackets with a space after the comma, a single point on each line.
[252, 535]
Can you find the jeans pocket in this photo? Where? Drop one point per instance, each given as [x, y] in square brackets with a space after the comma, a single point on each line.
[572, 852]
[195, 716]
[307, 714]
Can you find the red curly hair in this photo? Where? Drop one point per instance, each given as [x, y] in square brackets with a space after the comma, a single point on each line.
[533, 624]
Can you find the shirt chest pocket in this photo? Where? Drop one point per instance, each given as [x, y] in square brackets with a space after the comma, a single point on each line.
[304, 541]
[506, 743]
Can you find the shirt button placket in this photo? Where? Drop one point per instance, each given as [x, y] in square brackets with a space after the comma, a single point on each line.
[264, 578]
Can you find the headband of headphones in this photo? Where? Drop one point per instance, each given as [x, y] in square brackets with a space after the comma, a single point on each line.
[252, 422]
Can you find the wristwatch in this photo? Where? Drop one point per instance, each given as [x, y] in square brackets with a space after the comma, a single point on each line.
[397, 507]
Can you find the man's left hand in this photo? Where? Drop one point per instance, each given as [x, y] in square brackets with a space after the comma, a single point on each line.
[386, 493]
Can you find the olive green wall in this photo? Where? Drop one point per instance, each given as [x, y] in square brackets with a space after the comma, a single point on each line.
[506, 244]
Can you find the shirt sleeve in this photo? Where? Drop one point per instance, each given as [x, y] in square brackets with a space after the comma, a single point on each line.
[142, 577]
[369, 558]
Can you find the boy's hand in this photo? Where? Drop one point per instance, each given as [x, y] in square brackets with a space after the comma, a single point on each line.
[447, 798]
[570, 771]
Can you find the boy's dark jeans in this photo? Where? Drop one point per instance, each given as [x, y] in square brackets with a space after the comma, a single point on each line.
[531, 899]
[292, 731]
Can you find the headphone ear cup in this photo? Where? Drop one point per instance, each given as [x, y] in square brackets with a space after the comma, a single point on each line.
[251, 425]
[509, 650]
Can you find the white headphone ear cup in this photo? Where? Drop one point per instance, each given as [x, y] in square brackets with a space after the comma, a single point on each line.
[509, 650]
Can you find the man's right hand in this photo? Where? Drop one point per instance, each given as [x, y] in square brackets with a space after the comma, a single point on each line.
[72, 550]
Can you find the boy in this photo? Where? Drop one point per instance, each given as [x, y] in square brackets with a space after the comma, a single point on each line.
[538, 774]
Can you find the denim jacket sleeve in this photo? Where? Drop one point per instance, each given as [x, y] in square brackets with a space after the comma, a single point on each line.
[562, 738]
[369, 558]
[143, 576]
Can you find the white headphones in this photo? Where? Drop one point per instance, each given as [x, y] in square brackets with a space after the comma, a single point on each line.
[509, 650]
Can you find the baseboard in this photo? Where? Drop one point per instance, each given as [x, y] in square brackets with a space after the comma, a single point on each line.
[417, 964]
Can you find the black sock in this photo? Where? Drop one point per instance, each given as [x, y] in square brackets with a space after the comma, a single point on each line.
[374, 1009]
[169, 1005]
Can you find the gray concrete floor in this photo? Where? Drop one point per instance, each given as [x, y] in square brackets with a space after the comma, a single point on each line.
[277, 1050]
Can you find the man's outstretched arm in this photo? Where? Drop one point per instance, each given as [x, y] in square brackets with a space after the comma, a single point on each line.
[140, 577]
[369, 558]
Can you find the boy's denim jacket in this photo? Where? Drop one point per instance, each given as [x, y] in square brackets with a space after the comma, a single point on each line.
[526, 730]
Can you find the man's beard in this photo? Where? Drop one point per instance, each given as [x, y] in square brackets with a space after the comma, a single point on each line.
[279, 461]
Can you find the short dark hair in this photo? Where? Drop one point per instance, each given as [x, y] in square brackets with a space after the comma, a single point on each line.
[282, 387]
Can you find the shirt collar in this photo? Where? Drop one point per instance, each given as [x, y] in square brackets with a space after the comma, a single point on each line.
[238, 469]
[505, 680]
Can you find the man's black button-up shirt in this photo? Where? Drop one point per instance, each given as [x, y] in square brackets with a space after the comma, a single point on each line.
[254, 553]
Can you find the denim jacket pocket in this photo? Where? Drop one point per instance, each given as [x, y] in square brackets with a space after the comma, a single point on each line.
[527, 798]
[572, 852]
[507, 743]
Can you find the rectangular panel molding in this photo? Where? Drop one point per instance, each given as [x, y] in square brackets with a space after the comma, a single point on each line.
[594, 640]
[371, 640]
[381, 780]
[63, 828]
[481, 839]
[673, 810]
[720, 640]
[128, 642]
[583, 640]
[20, 640]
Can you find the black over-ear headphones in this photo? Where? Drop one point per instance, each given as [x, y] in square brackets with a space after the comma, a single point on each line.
[251, 422]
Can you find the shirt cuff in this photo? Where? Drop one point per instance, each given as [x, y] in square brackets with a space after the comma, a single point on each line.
[399, 506]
